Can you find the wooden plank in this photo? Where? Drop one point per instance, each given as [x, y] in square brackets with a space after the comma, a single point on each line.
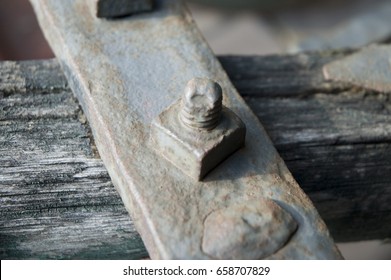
[283, 75]
[57, 200]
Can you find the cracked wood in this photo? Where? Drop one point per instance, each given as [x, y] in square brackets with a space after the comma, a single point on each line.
[57, 200]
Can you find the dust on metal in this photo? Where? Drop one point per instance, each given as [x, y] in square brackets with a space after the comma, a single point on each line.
[369, 68]
[125, 73]
[197, 133]
[249, 230]
[119, 8]
[201, 104]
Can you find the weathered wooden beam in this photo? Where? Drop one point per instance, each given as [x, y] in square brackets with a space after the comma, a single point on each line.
[57, 200]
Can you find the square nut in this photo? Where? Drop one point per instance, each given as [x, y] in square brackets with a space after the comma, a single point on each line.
[196, 150]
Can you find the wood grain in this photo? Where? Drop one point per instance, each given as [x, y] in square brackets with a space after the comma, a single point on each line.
[56, 197]
[57, 200]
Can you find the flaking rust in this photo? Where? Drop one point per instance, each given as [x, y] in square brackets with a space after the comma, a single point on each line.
[125, 73]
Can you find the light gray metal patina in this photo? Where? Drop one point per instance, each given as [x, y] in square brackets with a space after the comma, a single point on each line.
[119, 8]
[249, 230]
[201, 104]
[197, 132]
[369, 68]
[125, 73]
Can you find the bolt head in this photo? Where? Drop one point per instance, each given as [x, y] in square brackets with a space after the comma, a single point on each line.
[253, 230]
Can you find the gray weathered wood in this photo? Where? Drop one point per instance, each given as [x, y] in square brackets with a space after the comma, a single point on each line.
[57, 201]
[56, 198]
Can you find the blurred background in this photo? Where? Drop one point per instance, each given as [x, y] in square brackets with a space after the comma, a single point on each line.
[246, 27]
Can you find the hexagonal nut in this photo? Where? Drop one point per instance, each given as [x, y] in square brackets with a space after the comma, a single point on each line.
[196, 152]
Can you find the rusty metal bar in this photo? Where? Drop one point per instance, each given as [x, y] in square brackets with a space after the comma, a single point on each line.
[126, 74]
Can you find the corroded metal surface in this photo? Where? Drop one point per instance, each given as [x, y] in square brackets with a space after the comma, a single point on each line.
[201, 104]
[250, 230]
[125, 73]
[369, 68]
[197, 133]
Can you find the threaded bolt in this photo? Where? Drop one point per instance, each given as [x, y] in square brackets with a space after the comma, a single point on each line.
[201, 104]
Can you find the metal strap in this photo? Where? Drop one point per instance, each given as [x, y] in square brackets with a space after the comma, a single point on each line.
[125, 73]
